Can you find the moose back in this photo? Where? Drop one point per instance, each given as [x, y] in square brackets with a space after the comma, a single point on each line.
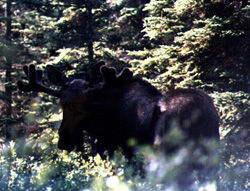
[123, 107]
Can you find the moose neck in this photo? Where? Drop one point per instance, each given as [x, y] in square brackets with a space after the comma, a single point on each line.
[127, 112]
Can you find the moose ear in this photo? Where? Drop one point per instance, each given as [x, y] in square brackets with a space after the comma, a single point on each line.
[55, 76]
[108, 74]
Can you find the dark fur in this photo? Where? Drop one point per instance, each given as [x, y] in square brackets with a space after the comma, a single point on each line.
[126, 107]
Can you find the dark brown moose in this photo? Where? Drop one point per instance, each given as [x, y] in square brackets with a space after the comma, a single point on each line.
[124, 107]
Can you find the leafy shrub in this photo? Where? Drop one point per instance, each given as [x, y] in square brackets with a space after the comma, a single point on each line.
[35, 163]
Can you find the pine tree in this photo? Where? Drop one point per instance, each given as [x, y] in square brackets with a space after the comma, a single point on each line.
[124, 31]
[78, 29]
[5, 51]
[184, 33]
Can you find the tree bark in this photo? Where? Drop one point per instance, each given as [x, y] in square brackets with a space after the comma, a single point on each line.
[8, 20]
[90, 32]
[8, 69]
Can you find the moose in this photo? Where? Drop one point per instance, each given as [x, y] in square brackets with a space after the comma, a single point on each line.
[124, 107]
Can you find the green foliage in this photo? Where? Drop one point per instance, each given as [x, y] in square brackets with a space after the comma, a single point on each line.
[36, 163]
[170, 43]
[184, 33]
[69, 56]
[233, 108]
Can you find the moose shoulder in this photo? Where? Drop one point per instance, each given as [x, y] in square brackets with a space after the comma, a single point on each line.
[125, 107]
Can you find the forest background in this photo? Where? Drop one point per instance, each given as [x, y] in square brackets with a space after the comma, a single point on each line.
[170, 43]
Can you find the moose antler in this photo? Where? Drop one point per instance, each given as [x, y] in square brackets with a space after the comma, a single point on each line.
[110, 78]
[124, 76]
[35, 82]
[108, 74]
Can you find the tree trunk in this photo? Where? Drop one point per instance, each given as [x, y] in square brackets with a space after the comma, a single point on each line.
[8, 19]
[90, 32]
[8, 69]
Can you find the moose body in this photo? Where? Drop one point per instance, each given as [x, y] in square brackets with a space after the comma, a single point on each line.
[124, 107]
[139, 111]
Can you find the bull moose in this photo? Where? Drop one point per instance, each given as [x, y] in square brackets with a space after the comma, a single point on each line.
[124, 107]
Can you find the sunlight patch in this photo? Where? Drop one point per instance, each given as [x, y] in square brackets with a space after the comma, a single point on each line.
[114, 183]
[211, 186]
